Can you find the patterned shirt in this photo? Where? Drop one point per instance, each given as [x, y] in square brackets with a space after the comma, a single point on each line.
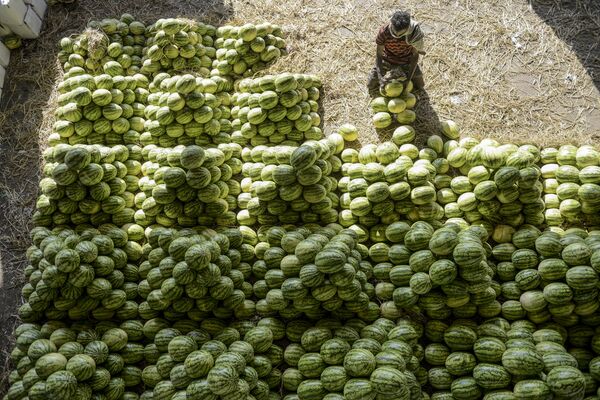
[399, 50]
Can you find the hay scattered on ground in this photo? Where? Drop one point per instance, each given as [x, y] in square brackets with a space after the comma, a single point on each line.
[496, 68]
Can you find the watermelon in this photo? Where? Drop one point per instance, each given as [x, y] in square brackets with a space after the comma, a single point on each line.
[334, 350]
[465, 388]
[531, 389]
[81, 366]
[61, 385]
[359, 362]
[460, 337]
[382, 120]
[489, 349]
[566, 381]
[50, 363]
[491, 376]
[333, 378]
[311, 365]
[356, 389]
[222, 379]
[388, 381]
[460, 363]
[522, 361]
[198, 363]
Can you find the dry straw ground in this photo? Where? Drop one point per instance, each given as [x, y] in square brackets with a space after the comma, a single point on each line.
[513, 70]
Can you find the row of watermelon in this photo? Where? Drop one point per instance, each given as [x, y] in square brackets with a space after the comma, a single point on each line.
[311, 272]
[438, 272]
[99, 109]
[194, 272]
[280, 109]
[395, 180]
[391, 182]
[89, 184]
[545, 276]
[230, 365]
[179, 44]
[285, 184]
[114, 109]
[523, 273]
[331, 359]
[189, 186]
[60, 361]
[209, 360]
[355, 360]
[571, 184]
[73, 275]
[185, 110]
[106, 44]
[101, 274]
[502, 360]
[131, 47]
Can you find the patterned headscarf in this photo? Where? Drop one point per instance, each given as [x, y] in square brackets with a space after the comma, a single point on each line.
[412, 35]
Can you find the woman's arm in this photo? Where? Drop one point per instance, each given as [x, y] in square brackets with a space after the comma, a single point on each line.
[379, 60]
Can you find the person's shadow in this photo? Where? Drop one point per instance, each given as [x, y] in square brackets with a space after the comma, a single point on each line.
[576, 23]
[427, 122]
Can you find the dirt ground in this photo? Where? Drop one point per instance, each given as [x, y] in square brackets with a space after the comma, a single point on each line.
[513, 70]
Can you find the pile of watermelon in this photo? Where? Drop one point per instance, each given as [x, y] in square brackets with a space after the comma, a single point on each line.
[77, 275]
[394, 105]
[187, 109]
[571, 176]
[280, 109]
[197, 236]
[290, 185]
[244, 50]
[312, 273]
[88, 185]
[188, 186]
[385, 183]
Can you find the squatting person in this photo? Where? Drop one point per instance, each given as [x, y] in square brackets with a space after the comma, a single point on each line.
[399, 44]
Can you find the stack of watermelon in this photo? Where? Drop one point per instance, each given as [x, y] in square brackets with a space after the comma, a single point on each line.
[188, 186]
[110, 45]
[247, 49]
[546, 276]
[177, 45]
[193, 272]
[303, 272]
[394, 105]
[442, 273]
[386, 183]
[277, 109]
[353, 361]
[194, 366]
[187, 109]
[190, 232]
[79, 361]
[467, 360]
[571, 185]
[88, 184]
[73, 276]
[106, 109]
[288, 184]
[499, 183]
